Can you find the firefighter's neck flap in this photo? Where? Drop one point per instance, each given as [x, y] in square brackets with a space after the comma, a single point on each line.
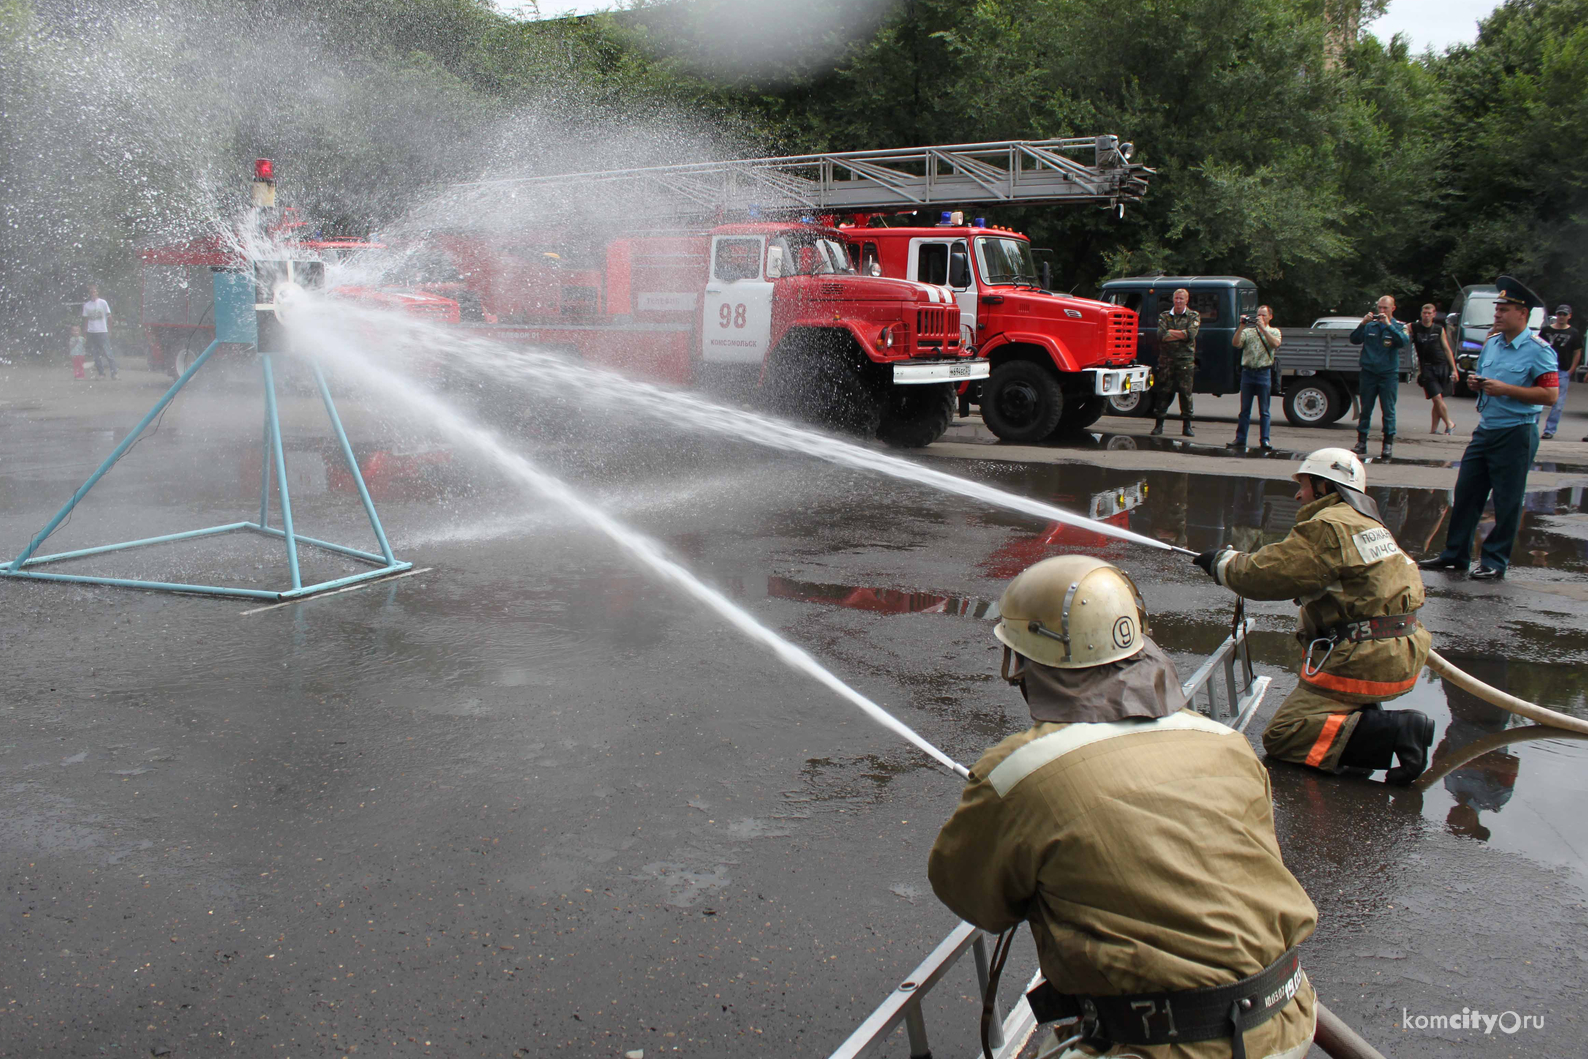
[1143, 685]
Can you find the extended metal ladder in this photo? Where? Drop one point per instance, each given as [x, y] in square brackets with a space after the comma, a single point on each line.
[997, 172]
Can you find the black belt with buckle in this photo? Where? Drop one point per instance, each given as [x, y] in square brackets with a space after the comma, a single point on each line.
[1385, 627]
[1182, 1017]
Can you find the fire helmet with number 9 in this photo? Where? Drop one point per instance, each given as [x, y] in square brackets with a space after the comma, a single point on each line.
[1072, 612]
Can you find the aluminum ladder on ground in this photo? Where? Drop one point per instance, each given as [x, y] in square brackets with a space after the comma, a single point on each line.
[993, 173]
[1223, 689]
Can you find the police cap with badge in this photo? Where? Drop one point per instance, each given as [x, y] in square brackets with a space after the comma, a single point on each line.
[1516, 292]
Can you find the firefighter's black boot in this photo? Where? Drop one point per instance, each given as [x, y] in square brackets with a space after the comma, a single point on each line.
[1383, 737]
[1361, 445]
[1389, 447]
[1157, 428]
[1411, 746]
[1185, 427]
[1372, 744]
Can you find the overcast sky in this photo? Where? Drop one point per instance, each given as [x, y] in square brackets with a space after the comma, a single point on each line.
[1425, 22]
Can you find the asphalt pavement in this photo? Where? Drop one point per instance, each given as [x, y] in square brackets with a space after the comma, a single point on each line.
[531, 802]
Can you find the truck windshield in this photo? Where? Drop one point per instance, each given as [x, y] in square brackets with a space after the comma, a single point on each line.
[1479, 310]
[811, 255]
[1006, 260]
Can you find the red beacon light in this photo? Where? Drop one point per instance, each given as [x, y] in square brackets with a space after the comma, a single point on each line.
[264, 183]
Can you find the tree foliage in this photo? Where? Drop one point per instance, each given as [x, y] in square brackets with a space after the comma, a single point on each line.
[1329, 171]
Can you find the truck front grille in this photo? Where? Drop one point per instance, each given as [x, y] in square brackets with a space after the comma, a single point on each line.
[1120, 342]
[937, 326]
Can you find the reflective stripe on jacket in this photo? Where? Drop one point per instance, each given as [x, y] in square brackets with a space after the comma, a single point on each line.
[1143, 854]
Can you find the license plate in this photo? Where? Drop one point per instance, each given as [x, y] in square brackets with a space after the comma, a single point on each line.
[959, 369]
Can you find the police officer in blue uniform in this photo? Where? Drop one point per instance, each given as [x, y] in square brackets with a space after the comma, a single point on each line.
[1516, 378]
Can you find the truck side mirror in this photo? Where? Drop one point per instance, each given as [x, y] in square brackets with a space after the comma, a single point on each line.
[1047, 275]
[958, 268]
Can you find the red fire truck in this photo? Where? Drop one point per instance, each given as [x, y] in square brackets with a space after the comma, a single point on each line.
[779, 306]
[773, 307]
[1055, 359]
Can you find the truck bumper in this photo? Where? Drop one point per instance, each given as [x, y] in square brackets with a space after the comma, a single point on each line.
[1111, 382]
[923, 372]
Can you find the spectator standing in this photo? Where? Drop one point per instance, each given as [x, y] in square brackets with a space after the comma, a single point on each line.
[1566, 340]
[1257, 340]
[76, 353]
[1176, 370]
[96, 327]
[1436, 366]
[1382, 337]
[1515, 378]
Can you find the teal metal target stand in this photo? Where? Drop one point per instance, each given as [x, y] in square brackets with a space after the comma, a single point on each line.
[234, 323]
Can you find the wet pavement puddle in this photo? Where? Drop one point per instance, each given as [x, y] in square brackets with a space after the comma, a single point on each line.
[1107, 442]
[535, 737]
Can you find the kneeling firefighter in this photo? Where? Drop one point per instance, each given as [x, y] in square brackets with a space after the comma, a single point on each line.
[1135, 836]
[1362, 643]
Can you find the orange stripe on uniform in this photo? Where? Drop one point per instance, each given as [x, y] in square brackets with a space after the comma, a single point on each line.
[1320, 749]
[1350, 685]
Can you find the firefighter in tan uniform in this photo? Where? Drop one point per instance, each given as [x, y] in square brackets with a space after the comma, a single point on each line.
[1135, 836]
[1362, 643]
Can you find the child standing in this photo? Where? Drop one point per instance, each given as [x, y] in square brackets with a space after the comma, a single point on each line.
[78, 353]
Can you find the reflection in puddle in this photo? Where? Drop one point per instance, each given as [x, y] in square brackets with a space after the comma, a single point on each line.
[1090, 442]
[1203, 512]
[879, 600]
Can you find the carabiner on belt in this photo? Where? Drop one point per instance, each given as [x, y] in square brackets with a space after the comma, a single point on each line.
[1307, 668]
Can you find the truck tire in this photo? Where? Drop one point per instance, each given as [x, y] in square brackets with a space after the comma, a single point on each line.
[1136, 403]
[1080, 413]
[1314, 403]
[830, 387]
[915, 416]
[1022, 402]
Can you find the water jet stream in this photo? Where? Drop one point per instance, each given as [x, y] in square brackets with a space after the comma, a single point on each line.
[421, 339]
[314, 327]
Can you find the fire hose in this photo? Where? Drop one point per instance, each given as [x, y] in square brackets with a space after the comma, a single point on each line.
[1494, 741]
[1506, 701]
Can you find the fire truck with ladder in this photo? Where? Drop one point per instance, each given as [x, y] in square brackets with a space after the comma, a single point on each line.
[774, 276]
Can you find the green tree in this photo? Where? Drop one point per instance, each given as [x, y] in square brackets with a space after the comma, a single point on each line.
[1518, 129]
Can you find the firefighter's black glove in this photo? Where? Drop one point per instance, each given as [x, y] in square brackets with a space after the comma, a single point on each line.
[1205, 561]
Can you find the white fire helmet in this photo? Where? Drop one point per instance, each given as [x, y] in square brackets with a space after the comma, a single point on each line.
[1071, 612]
[1339, 466]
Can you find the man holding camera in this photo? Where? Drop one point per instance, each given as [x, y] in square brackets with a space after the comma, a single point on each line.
[1176, 370]
[1516, 377]
[1257, 340]
[1382, 337]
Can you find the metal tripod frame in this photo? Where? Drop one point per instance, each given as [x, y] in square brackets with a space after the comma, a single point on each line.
[385, 564]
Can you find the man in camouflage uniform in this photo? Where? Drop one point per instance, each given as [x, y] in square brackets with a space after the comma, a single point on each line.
[1362, 643]
[1134, 836]
[1176, 370]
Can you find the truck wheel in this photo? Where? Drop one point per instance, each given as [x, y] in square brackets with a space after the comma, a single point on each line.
[1080, 413]
[831, 388]
[1022, 402]
[915, 416]
[1344, 408]
[1314, 403]
[1135, 403]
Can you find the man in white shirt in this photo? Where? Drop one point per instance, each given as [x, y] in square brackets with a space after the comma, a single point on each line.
[96, 330]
